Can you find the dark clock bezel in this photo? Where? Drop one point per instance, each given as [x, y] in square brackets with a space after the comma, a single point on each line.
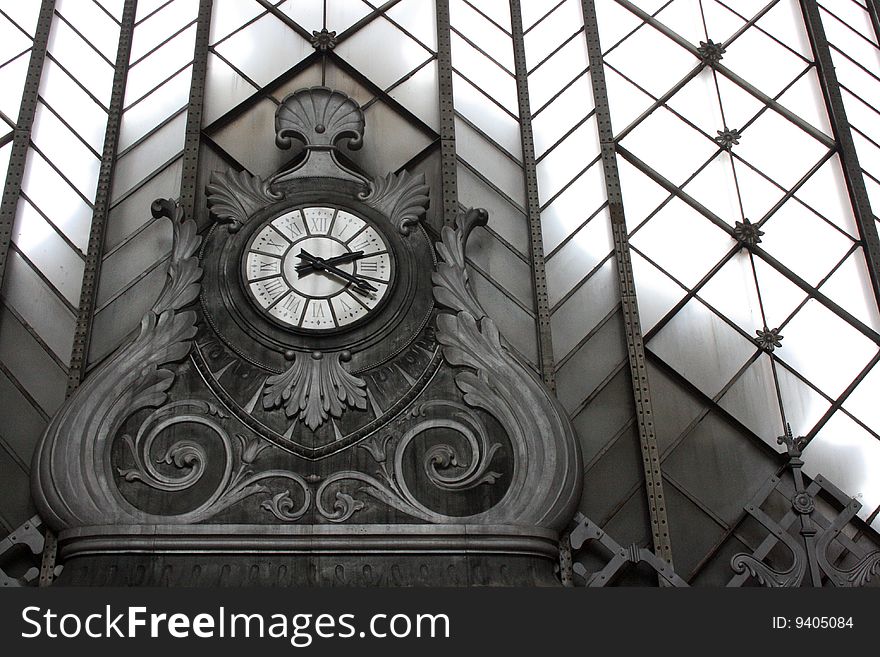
[228, 310]
[370, 314]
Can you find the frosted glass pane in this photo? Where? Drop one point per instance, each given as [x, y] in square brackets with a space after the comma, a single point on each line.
[849, 457]
[93, 23]
[308, 13]
[25, 14]
[57, 200]
[381, 52]
[12, 82]
[485, 74]
[265, 49]
[584, 309]
[148, 73]
[487, 116]
[682, 242]
[568, 158]
[489, 161]
[341, 14]
[732, 292]
[780, 149]
[39, 306]
[229, 15]
[656, 292]
[497, 10]
[715, 187]
[418, 18]
[65, 151]
[158, 27]
[142, 117]
[83, 62]
[752, 400]
[748, 57]
[824, 348]
[562, 114]
[83, 114]
[42, 245]
[825, 192]
[667, 64]
[702, 347]
[13, 42]
[803, 242]
[697, 101]
[148, 156]
[572, 207]
[803, 405]
[224, 89]
[661, 134]
[547, 35]
[487, 37]
[850, 286]
[586, 249]
[779, 294]
[804, 98]
[551, 77]
[863, 401]
[786, 23]
[419, 95]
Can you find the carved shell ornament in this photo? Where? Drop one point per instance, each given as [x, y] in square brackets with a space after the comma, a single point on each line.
[319, 117]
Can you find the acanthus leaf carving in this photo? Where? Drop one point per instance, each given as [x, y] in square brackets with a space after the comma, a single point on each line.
[234, 196]
[403, 198]
[314, 388]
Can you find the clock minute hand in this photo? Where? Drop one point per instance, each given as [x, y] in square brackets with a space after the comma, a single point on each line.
[307, 267]
[322, 264]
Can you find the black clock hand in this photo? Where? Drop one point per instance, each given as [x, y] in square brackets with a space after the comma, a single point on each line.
[307, 267]
[321, 265]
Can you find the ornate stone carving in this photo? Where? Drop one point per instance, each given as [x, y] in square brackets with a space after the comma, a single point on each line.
[444, 466]
[402, 197]
[315, 387]
[234, 196]
[321, 118]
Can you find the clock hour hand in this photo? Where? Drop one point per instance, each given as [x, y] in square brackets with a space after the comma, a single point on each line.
[307, 267]
[322, 265]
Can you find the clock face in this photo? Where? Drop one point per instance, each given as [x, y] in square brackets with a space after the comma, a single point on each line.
[318, 269]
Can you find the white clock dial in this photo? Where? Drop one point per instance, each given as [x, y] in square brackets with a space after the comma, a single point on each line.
[318, 268]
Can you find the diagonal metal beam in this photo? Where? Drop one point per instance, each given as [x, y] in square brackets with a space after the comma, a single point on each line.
[22, 134]
[852, 171]
[546, 363]
[448, 175]
[634, 341]
[194, 111]
[82, 334]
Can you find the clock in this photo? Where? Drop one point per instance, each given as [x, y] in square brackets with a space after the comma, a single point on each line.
[318, 269]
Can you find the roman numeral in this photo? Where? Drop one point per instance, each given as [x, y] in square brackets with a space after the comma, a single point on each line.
[318, 311]
[366, 265]
[272, 242]
[319, 224]
[291, 303]
[267, 266]
[275, 288]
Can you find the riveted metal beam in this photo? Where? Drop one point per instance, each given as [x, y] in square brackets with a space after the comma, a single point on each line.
[22, 134]
[194, 110]
[533, 211]
[849, 159]
[95, 253]
[448, 165]
[629, 303]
